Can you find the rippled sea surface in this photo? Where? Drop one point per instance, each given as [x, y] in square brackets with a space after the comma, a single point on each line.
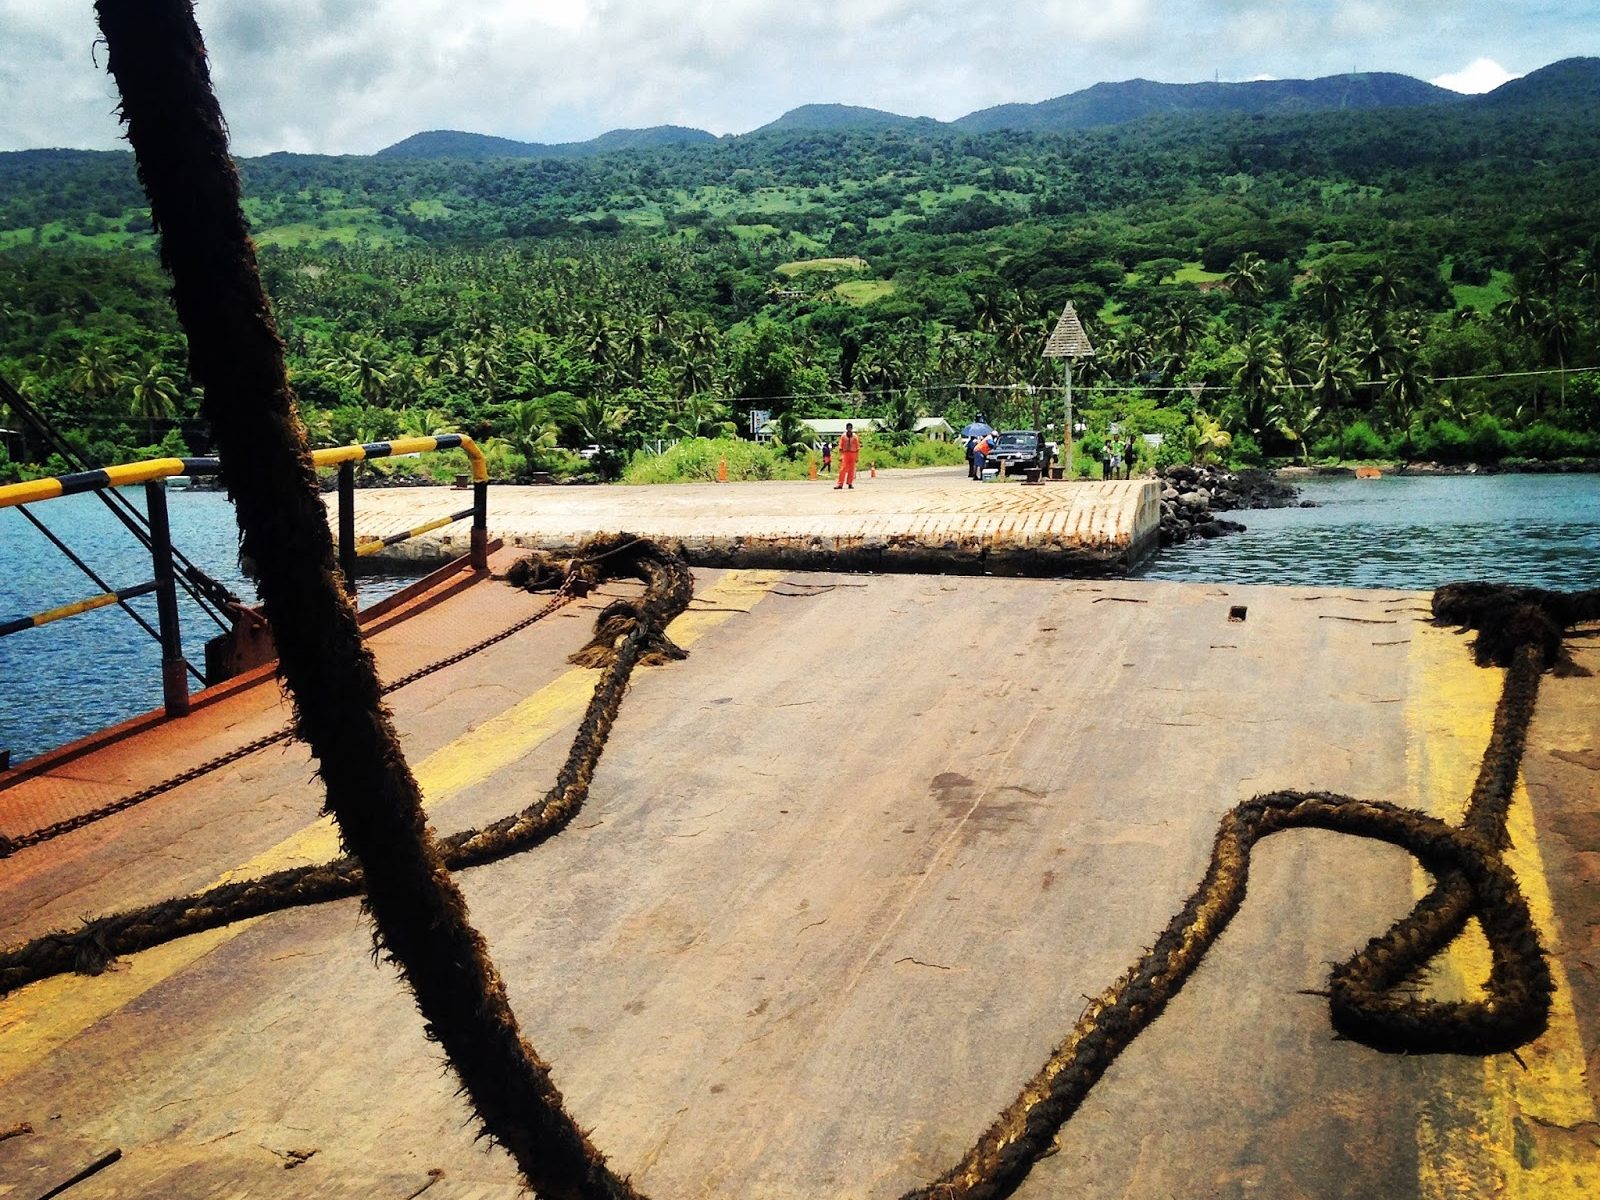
[1410, 532]
[72, 677]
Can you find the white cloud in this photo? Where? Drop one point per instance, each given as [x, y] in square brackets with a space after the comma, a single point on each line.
[347, 76]
[1479, 75]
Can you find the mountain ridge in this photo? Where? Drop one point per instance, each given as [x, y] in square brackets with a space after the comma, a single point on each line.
[1097, 106]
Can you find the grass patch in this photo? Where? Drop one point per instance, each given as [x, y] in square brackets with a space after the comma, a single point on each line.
[1195, 273]
[429, 210]
[306, 233]
[808, 265]
[862, 291]
[1483, 296]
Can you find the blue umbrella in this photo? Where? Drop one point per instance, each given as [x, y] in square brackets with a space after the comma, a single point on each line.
[977, 429]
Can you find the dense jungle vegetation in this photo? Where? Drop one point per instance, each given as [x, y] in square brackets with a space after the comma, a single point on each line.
[1418, 282]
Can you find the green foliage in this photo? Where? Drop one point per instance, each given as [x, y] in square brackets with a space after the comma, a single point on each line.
[1357, 442]
[697, 460]
[631, 289]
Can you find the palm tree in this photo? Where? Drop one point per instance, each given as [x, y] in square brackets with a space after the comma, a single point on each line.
[1383, 289]
[1205, 436]
[702, 416]
[1256, 378]
[899, 423]
[1246, 279]
[634, 349]
[1123, 354]
[1550, 268]
[364, 368]
[791, 434]
[99, 371]
[1519, 310]
[154, 398]
[527, 430]
[602, 425]
[1406, 389]
[1588, 268]
[483, 365]
[1556, 333]
[1333, 383]
[1324, 293]
[1185, 326]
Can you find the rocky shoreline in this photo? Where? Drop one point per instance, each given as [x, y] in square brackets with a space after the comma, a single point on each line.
[1192, 496]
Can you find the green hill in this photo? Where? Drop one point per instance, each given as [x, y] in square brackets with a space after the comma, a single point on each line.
[1117, 103]
[454, 144]
[842, 117]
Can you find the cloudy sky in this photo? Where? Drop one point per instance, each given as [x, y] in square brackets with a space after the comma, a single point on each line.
[352, 76]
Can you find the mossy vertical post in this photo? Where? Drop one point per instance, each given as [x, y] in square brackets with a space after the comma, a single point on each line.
[175, 127]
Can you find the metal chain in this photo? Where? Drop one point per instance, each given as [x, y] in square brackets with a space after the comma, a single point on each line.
[11, 845]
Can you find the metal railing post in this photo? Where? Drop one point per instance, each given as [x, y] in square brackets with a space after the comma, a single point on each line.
[480, 526]
[174, 671]
[347, 525]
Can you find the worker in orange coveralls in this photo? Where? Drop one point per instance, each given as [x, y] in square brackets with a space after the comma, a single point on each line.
[849, 448]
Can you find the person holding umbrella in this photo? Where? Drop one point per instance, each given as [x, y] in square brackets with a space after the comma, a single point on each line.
[973, 432]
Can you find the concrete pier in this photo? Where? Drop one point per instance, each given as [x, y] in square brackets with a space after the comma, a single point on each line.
[846, 875]
[898, 520]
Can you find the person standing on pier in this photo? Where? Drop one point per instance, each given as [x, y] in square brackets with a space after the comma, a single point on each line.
[1130, 452]
[849, 449]
[827, 456]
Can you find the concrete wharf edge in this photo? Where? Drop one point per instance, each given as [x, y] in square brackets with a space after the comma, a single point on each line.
[845, 877]
[901, 520]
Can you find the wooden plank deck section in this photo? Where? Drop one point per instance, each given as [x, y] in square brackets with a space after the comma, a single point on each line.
[845, 877]
[1076, 528]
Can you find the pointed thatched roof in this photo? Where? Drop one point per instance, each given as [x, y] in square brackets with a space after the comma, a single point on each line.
[1068, 340]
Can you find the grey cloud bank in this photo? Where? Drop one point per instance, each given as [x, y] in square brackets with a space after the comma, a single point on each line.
[342, 76]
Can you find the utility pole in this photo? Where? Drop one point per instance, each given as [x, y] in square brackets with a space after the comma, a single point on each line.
[1067, 342]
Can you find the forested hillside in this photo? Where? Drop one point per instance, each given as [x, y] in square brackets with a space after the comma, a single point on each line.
[1421, 280]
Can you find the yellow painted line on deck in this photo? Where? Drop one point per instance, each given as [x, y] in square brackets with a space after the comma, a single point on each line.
[45, 1016]
[1493, 1128]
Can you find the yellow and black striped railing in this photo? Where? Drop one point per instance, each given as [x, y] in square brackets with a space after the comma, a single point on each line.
[414, 445]
[152, 472]
[34, 490]
[103, 600]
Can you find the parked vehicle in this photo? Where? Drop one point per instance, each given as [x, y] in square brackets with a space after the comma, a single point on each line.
[1016, 450]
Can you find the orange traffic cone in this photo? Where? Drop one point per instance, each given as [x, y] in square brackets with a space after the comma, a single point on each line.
[813, 472]
[722, 471]
[872, 471]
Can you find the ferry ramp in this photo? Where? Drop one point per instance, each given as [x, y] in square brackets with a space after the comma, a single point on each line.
[846, 875]
[890, 520]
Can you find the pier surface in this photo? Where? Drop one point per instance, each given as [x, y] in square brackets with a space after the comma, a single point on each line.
[846, 876]
[902, 517]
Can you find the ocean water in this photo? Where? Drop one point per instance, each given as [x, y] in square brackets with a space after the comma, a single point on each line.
[1409, 532]
[71, 677]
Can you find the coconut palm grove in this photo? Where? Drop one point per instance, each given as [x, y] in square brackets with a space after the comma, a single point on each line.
[1417, 279]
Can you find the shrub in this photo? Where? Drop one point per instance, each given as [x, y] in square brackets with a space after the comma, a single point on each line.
[1245, 451]
[1545, 441]
[1361, 441]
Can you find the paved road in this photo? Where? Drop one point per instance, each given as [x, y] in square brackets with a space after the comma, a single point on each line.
[845, 878]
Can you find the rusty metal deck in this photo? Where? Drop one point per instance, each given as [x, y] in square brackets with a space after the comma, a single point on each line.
[845, 877]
